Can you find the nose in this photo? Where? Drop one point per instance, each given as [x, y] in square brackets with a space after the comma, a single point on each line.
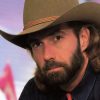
[49, 52]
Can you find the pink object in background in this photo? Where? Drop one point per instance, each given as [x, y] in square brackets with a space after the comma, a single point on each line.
[7, 83]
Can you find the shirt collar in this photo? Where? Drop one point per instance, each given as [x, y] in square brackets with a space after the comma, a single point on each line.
[83, 90]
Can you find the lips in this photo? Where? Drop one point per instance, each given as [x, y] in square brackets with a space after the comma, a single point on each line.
[54, 68]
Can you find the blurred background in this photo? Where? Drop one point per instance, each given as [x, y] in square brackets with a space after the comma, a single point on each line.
[22, 65]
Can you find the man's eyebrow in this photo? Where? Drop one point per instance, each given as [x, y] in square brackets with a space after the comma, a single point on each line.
[31, 38]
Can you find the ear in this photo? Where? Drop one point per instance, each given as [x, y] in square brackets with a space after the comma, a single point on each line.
[84, 38]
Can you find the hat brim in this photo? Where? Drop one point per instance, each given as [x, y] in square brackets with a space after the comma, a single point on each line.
[88, 11]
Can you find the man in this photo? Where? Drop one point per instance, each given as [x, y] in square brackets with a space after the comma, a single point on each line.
[64, 40]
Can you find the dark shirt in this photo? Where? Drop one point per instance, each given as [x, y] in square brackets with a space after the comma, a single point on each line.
[88, 89]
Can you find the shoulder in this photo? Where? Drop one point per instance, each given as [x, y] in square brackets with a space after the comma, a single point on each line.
[29, 90]
[97, 87]
[30, 85]
[97, 83]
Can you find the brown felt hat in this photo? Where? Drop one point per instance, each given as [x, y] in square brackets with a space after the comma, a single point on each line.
[41, 14]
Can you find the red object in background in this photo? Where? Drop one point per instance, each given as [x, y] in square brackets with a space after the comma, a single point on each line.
[7, 83]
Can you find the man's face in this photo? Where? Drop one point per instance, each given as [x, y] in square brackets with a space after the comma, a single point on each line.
[58, 56]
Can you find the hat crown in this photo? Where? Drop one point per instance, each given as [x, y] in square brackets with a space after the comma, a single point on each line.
[38, 9]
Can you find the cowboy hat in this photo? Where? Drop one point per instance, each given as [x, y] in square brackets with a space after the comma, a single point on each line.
[39, 15]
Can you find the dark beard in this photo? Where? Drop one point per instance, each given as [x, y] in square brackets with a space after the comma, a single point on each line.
[55, 79]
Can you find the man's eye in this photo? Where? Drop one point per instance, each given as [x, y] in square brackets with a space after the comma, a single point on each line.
[36, 44]
[58, 37]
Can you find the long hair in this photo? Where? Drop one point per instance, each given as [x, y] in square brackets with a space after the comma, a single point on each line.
[93, 49]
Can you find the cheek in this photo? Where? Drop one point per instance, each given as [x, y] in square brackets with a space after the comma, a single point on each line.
[67, 50]
[38, 59]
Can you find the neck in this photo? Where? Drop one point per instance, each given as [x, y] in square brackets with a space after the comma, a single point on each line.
[78, 77]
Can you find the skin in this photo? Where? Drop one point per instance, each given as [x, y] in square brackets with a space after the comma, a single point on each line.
[61, 47]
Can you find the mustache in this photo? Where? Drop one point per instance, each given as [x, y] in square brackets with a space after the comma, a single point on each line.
[53, 64]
